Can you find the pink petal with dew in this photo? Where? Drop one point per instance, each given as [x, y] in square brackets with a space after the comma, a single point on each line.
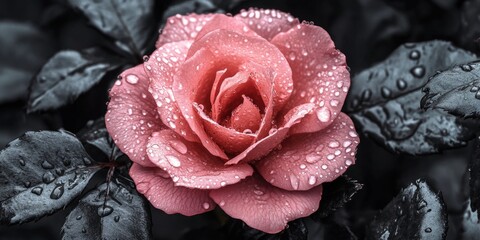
[164, 195]
[263, 206]
[132, 116]
[308, 160]
[320, 74]
[189, 165]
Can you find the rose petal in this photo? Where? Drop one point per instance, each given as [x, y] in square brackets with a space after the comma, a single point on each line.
[219, 77]
[308, 160]
[161, 67]
[263, 206]
[266, 22]
[190, 165]
[132, 116]
[220, 21]
[246, 116]
[227, 46]
[161, 192]
[180, 28]
[275, 137]
[193, 79]
[230, 140]
[320, 74]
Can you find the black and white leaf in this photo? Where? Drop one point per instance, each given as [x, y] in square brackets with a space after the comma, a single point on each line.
[67, 75]
[111, 211]
[128, 22]
[23, 50]
[191, 6]
[336, 194]
[41, 173]
[238, 230]
[96, 134]
[469, 32]
[416, 213]
[469, 224]
[456, 90]
[384, 100]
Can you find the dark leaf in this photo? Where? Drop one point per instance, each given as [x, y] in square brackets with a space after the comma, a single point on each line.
[474, 182]
[206, 233]
[129, 22]
[23, 50]
[470, 226]
[96, 134]
[111, 211]
[336, 231]
[470, 25]
[456, 90]
[336, 194]
[384, 100]
[416, 213]
[238, 230]
[67, 75]
[41, 173]
[191, 6]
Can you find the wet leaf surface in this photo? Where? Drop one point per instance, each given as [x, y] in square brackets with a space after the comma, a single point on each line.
[456, 90]
[128, 22]
[67, 75]
[470, 25]
[111, 211]
[96, 134]
[40, 176]
[384, 100]
[418, 212]
[238, 230]
[336, 194]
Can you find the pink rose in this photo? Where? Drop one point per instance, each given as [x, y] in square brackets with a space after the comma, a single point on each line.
[241, 112]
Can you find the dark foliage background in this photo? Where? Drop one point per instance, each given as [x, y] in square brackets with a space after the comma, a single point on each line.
[414, 99]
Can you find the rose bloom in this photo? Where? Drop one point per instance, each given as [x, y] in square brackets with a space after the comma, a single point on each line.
[238, 112]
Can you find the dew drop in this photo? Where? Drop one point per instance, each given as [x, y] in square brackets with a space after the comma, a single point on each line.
[366, 95]
[132, 79]
[47, 165]
[206, 205]
[221, 203]
[474, 89]
[313, 158]
[174, 161]
[223, 184]
[334, 144]
[418, 71]
[104, 211]
[116, 218]
[145, 58]
[466, 68]
[330, 157]
[78, 217]
[272, 131]
[401, 84]
[22, 162]
[37, 190]
[386, 93]
[312, 180]
[27, 184]
[428, 230]
[48, 177]
[303, 166]
[294, 182]
[477, 95]
[323, 114]
[179, 146]
[414, 55]
[348, 162]
[324, 167]
[57, 192]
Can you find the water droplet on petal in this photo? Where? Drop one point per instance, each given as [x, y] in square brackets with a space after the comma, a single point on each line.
[206, 205]
[132, 79]
[334, 144]
[174, 161]
[323, 114]
[294, 181]
[324, 167]
[303, 166]
[179, 146]
[312, 180]
[348, 162]
[313, 158]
